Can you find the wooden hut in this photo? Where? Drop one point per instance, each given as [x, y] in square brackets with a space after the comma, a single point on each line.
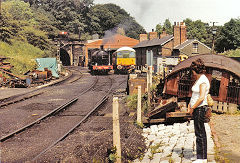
[222, 72]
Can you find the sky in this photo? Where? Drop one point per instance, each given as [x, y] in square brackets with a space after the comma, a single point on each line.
[149, 13]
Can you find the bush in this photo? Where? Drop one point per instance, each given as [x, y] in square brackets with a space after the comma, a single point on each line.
[21, 55]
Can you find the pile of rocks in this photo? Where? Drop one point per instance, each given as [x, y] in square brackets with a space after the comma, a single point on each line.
[173, 143]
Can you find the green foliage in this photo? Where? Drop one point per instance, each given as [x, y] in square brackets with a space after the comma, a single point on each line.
[18, 23]
[22, 55]
[167, 26]
[113, 155]
[46, 22]
[231, 53]
[24, 35]
[69, 15]
[199, 30]
[229, 36]
[111, 17]
[132, 102]
[155, 149]
[140, 125]
[159, 28]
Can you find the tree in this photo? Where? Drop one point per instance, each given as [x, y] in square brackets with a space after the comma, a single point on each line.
[70, 15]
[110, 17]
[18, 23]
[159, 28]
[229, 36]
[199, 30]
[167, 26]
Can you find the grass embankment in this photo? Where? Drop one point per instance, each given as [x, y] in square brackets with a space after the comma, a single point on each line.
[21, 55]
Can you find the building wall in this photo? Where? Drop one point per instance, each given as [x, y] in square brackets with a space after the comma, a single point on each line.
[167, 49]
[141, 54]
[188, 50]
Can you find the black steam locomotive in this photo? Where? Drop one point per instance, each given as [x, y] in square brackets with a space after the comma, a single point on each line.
[100, 62]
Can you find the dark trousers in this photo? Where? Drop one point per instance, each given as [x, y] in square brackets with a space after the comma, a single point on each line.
[200, 132]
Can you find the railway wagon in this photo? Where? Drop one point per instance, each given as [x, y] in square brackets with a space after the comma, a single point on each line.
[100, 62]
[124, 60]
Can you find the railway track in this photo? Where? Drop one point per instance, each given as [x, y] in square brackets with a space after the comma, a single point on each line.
[75, 75]
[52, 113]
[91, 139]
[60, 110]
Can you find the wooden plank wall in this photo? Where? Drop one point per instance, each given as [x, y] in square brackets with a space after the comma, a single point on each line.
[223, 107]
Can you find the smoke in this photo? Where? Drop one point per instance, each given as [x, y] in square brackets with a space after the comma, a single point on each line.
[144, 6]
[125, 25]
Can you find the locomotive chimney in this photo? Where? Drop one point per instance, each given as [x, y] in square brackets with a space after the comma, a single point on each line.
[101, 47]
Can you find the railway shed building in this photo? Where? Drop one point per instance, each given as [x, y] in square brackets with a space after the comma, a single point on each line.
[110, 44]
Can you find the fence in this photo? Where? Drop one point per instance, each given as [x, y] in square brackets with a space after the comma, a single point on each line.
[224, 107]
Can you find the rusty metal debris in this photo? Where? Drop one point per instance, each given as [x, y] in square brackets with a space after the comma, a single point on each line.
[222, 72]
[8, 79]
[167, 110]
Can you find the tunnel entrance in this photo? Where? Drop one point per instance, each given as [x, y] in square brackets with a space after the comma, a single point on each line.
[64, 57]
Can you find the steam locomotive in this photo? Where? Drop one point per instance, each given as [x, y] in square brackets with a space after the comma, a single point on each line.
[100, 62]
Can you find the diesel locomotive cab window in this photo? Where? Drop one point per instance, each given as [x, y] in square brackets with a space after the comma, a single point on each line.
[132, 55]
[126, 54]
[119, 55]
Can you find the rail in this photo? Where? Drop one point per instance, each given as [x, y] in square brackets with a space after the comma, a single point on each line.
[58, 109]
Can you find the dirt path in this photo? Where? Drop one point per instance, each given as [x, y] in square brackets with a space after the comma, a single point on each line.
[227, 129]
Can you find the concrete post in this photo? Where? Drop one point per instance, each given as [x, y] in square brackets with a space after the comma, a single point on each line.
[139, 108]
[116, 129]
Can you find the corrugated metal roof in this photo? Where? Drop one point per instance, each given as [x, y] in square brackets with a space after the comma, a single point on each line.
[154, 42]
[211, 60]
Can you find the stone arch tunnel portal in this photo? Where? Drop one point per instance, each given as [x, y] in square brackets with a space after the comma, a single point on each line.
[64, 57]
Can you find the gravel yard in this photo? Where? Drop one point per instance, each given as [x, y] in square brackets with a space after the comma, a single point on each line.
[227, 129]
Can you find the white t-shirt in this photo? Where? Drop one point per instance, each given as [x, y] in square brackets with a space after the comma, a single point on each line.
[196, 91]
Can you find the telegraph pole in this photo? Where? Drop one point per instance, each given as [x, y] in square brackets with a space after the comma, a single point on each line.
[214, 32]
[0, 8]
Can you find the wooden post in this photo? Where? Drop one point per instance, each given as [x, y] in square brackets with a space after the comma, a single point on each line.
[225, 107]
[148, 79]
[139, 108]
[215, 105]
[150, 76]
[148, 85]
[220, 107]
[71, 55]
[116, 129]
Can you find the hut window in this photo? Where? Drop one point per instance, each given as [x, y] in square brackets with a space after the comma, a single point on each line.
[185, 83]
[195, 47]
[233, 91]
[215, 83]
